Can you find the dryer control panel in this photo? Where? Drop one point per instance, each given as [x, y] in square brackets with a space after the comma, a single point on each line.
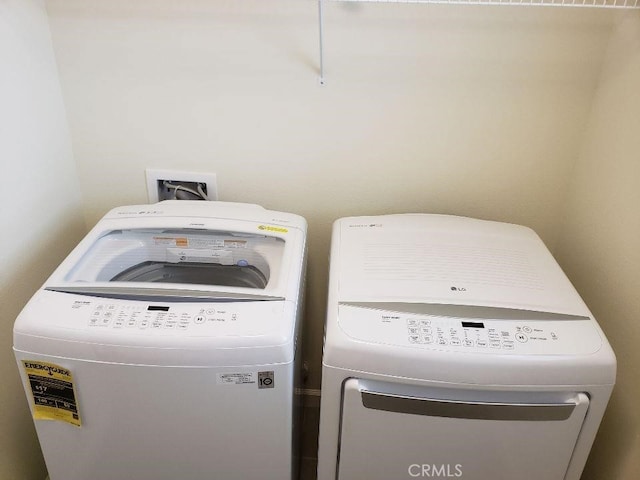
[471, 335]
[476, 334]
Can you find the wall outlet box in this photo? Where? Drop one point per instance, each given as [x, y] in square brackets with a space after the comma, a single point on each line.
[179, 185]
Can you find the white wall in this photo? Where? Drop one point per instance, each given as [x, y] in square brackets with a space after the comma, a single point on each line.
[41, 216]
[600, 243]
[467, 110]
[473, 111]
[476, 111]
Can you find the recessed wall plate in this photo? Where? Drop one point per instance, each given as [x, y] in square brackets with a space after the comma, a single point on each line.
[176, 184]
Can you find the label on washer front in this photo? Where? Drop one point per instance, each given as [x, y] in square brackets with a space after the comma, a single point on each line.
[236, 378]
[265, 379]
[54, 397]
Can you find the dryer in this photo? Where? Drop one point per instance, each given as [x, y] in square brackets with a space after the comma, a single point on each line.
[456, 348]
[167, 345]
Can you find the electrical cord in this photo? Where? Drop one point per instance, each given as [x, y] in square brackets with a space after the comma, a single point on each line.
[201, 192]
[178, 189]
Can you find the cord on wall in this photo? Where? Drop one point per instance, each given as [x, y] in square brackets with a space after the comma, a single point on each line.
[183, 192]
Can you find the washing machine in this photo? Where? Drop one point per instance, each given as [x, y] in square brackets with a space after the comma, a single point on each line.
[167, 346]
[456, 348]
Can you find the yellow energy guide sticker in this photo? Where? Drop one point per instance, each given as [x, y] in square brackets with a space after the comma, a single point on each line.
[53, 395]
[271, 228]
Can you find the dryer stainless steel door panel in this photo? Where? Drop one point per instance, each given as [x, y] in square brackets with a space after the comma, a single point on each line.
[405, 436]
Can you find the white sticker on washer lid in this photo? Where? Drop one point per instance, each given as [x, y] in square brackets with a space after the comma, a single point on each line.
[236, 378]
[204, 242]
[235, 243]
[199, 255]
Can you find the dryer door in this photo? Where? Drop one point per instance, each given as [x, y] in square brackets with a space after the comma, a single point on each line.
[390, 436]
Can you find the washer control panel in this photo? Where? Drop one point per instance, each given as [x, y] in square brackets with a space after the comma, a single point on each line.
[142, 316]
[152, 317]
[471, 335]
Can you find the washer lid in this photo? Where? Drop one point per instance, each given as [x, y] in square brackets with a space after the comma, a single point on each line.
[161, 262]
[186, 251]
[439, 259]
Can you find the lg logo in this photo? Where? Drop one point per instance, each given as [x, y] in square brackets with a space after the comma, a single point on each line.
[458, 289]
[435, 471]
